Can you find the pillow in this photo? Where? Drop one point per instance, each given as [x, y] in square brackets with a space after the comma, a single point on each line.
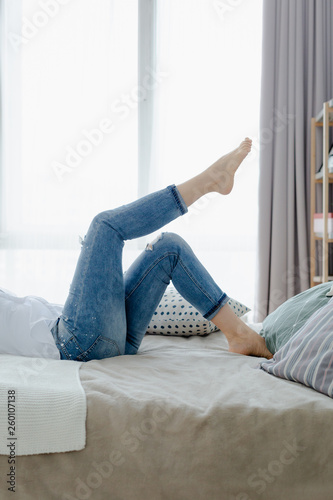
[175, 316]
[330, 293]
[286, 320]
[308, 356]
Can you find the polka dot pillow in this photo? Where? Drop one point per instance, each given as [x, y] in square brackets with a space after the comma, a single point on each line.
[175, 316]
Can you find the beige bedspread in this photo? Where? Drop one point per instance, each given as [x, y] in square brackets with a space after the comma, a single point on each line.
[186, 420]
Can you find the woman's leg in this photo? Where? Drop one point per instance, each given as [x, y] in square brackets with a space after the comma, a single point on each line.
[241, 338]
[168, 258]
[93, 320]
[148, 277]
[219, 177]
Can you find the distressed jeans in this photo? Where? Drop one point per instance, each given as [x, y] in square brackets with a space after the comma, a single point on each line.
[107, 311]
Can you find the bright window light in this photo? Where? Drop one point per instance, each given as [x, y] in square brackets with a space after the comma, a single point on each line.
[207, 105]
[70, 127]
[78, 116]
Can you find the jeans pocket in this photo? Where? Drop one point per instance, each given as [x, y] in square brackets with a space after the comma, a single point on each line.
[102, 347]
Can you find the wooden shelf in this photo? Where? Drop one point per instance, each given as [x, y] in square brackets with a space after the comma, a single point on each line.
[319, 176]
[320, 115]
[319, 180]
[319, 279]
[319, 238]
[320, 124]
[319, 267]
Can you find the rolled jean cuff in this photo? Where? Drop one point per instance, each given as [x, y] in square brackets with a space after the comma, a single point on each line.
[178, 199]
[214, 310]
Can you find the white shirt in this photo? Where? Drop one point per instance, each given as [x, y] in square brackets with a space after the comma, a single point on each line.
[25, 326]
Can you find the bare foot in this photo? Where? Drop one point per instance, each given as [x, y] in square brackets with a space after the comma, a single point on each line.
[241, 338]
[223, 170]
[250, 344]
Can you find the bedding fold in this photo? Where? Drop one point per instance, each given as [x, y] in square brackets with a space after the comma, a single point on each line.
[42, 406]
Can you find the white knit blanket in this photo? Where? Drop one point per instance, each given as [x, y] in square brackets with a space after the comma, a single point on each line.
[42, 406]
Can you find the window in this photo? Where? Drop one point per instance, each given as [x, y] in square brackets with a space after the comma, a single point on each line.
[70, 131]
[211, 51]
[78, 66]
[70, 127]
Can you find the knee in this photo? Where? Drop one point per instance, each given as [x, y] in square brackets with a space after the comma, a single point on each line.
[174, 239]
[102, 217]
[105, 219]
[168, 241]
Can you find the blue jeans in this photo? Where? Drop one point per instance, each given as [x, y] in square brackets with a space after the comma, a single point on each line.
[107, 311]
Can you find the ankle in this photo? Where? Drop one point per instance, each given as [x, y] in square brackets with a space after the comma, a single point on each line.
[195, 188]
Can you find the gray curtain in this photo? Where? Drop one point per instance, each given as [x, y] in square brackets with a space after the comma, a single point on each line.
[297, 77]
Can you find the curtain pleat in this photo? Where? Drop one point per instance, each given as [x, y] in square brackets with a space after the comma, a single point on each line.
[297, 68]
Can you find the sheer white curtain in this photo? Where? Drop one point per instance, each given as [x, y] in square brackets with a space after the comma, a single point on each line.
[71, 99]
[206, 106]
[70, 129]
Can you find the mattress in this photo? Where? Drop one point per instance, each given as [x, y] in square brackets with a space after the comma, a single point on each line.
[185, 419]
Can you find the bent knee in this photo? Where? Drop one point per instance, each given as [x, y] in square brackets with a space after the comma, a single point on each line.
[170, 241]
[173, 239]
[102, 217]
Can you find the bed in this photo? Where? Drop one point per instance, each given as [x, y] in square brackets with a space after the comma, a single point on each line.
[186, 419]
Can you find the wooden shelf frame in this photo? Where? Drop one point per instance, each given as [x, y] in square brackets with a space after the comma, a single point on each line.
[325, 120]
[318, 279]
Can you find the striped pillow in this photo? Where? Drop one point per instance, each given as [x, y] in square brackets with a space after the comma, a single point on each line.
[308, 356]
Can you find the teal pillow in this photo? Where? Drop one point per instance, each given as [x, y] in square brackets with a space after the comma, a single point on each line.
[286, 320]
[308, 356]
